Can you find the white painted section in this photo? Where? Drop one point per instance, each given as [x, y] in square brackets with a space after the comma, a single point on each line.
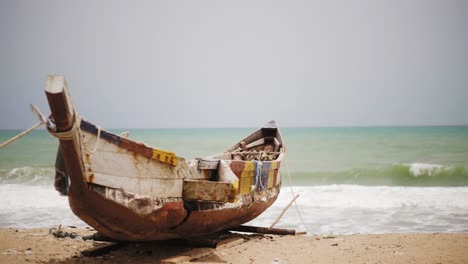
[225, 172]
[136, 166]
[204, 164]
[55, 84]
[161, 188]
[112, 160]
[118, 168]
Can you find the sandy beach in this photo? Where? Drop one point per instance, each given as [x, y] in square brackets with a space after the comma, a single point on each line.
[38, 246]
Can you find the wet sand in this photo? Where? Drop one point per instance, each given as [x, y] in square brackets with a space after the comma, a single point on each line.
[38, 246]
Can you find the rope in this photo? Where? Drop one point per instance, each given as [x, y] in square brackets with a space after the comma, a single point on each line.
[294, 195]
[258, 173]
[70, 134]
[96, 144]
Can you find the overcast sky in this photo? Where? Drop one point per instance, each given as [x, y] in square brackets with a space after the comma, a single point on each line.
[152, 64]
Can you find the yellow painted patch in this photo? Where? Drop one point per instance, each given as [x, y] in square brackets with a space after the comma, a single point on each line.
[247, 177]
[274, 165]
[271, 174]
[165, 156]
[235, 190]
[249, 168]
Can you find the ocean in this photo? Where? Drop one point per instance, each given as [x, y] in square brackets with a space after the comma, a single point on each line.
[350, 180]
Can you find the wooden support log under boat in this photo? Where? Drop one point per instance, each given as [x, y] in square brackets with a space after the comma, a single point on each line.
[264, 230]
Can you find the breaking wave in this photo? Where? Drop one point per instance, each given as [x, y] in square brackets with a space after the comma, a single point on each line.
[415, 174]
[27, 175]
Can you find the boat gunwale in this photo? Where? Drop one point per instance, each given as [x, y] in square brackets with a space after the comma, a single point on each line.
[125, 143]
[147, 150]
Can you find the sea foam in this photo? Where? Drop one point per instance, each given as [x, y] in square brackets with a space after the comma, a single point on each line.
[338, 209]
[28, 206]
[347, 209]
[28, 175]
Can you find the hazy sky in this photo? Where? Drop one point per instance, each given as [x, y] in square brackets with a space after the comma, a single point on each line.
[238, 63]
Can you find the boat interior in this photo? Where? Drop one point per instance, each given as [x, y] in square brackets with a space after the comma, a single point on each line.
[263, 145]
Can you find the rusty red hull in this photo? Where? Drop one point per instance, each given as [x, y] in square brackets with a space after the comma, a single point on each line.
[173, 221]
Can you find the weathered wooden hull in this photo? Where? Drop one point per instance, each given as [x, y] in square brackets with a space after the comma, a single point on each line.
[129, 191]
[172, 221]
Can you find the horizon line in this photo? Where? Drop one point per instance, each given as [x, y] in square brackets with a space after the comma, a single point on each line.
[242, 127]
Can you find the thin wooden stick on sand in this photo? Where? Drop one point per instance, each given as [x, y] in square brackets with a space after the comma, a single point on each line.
[284, 211]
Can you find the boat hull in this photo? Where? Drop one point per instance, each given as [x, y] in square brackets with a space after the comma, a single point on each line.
[130, 191]
[173, 220]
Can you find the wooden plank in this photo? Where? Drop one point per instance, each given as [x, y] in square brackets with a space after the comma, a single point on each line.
[252, 137]
[204, 164]
[114, 160]
[167, 157]
[59, 102]
[123, 164]
[226, 174]
[161, 188]
[201, 190]
[256, 143]
[106, 135]
[277, 143]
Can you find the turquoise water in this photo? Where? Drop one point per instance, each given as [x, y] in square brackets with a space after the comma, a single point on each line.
[350, 180]
[415, 156]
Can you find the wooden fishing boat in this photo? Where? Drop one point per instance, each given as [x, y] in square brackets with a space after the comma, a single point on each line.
[130, 191]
